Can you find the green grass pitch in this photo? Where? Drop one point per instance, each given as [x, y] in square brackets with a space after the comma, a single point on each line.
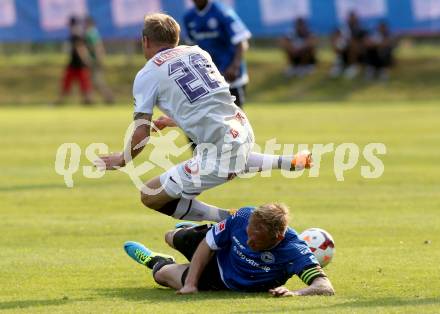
[61, 249]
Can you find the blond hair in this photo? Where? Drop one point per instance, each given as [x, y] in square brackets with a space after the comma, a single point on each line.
[273, 216]
[161, 29]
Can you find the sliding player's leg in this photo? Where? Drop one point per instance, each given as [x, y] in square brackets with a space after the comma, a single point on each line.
[165, 270]
[186, 240]
[170, 275]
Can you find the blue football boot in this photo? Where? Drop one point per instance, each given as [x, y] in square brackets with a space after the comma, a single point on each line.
[143, 255]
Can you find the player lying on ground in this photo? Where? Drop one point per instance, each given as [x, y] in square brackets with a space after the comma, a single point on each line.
[254, 250]
[186, 85]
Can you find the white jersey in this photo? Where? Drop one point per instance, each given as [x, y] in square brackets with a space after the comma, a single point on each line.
[186, 85]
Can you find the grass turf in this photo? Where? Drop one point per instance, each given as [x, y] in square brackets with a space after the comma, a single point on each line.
[61, 249]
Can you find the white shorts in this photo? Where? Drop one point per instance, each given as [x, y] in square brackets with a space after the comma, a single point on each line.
[181, 181]
[208, 169]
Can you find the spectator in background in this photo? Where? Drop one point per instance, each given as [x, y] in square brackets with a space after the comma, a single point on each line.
[348, 43]
[379, 53]
[218, 30]
[97, 53]
[299, 47]
[78, 66]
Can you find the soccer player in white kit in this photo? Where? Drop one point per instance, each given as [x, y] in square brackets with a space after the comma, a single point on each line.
[186, 85]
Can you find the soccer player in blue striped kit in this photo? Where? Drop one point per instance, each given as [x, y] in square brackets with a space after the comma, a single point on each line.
[218, 30]
[252, 251]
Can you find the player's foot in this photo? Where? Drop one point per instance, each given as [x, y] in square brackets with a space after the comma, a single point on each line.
[302, 160]
[143, 255]
[185, 224]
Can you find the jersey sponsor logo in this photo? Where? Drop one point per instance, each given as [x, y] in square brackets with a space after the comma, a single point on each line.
[249, 260]
[204, 35]
[220, 227]
[267, 257]
[238, 243]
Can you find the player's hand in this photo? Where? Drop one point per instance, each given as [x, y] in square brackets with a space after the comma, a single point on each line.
[188, 289]
[162, 122]
[281, 292]
[302, 160]
[110, 162]
[232, 72]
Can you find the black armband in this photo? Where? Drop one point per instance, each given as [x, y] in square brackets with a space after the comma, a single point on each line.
[310, 273]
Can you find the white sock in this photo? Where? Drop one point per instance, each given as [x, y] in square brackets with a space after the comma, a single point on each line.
[260, 162]
[197, 211]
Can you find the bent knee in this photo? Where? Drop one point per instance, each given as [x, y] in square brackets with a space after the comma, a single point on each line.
[161, 276]
[169, 238]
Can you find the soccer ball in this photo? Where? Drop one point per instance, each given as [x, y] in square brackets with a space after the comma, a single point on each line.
[320, 243]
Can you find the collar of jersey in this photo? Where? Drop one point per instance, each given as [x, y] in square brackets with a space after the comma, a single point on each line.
[163, 49]
[205, 9]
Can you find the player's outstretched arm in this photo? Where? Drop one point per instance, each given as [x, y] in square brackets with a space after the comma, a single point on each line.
[319, 286]
[139, 139]
[200, 259]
